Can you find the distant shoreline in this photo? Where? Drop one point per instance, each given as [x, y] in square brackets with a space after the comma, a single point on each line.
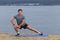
[27, 4]
[30, 2]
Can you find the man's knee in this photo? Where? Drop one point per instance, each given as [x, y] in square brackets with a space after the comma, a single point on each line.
[15, 26]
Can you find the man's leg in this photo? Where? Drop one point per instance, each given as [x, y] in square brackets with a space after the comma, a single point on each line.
[16, 29]
[32, 29]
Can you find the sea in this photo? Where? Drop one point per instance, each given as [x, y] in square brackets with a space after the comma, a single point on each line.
[45, 19]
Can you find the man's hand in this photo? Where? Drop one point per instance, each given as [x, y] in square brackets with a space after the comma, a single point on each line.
[23, 21]
[16, 25]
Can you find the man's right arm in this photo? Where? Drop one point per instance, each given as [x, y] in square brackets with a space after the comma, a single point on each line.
[12, 20]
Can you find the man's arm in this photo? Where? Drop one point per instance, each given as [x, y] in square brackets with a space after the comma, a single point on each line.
[23, 21]
[12, 20]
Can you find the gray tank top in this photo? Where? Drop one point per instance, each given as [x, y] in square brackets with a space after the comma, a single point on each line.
[19, 19]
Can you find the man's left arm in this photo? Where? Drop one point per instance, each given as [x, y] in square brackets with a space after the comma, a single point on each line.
[23, 21]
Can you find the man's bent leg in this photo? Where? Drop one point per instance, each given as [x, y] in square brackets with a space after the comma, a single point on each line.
[16, 29]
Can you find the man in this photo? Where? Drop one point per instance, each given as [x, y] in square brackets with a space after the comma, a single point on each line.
[21, 23]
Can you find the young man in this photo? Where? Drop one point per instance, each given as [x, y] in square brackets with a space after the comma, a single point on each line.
[21, 23]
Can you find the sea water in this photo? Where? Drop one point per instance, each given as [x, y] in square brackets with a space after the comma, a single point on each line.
[43, 18]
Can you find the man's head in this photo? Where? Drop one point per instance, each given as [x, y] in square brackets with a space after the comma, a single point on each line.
[19, 11]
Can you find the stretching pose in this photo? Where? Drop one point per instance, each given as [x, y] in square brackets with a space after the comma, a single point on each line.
[21, 23]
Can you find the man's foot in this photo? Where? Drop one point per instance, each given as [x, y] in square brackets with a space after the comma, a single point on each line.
[17, 34]
[40, 33]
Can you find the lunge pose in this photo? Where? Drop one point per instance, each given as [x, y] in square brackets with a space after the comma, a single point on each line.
[21, 23]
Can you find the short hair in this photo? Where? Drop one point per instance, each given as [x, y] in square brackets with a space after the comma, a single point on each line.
[19, 10]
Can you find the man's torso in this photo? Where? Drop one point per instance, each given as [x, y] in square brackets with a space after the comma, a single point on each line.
[19, 19]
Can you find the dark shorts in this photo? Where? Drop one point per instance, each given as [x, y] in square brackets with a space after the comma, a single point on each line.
[24, 26]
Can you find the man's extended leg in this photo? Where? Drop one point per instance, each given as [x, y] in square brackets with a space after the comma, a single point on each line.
[32, 29]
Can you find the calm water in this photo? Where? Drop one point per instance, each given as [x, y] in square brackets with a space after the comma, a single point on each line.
[44, 18]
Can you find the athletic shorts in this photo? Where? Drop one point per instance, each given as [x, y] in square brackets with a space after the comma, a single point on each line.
[24, 26]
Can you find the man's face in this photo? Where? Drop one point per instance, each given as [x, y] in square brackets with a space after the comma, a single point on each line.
[20, 13]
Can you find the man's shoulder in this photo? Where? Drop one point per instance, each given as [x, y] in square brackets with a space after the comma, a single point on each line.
[23, 16]
[15, 16]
